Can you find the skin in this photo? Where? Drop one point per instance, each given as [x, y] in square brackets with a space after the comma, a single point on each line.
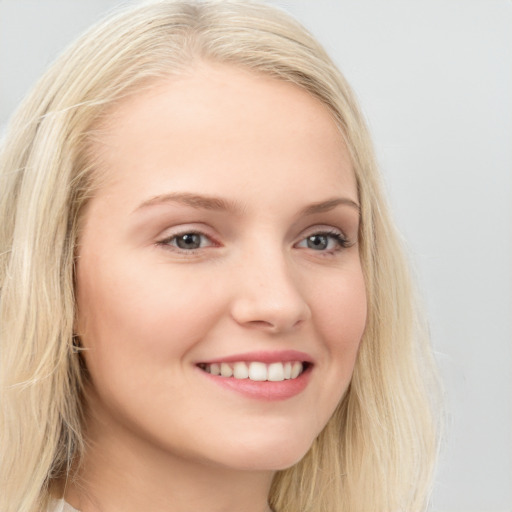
[161, 435]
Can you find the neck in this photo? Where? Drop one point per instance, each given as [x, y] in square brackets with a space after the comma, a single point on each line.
[119, 472]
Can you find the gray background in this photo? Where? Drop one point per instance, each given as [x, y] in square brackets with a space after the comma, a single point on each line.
[434, 78]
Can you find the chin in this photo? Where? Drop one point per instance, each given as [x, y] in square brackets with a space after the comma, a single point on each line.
[271, 456]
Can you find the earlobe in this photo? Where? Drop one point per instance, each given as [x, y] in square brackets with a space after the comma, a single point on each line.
[76, 343]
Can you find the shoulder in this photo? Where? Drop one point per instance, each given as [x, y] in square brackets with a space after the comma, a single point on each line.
[60, 506]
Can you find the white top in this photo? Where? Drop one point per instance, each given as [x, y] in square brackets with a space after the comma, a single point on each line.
[61, 506]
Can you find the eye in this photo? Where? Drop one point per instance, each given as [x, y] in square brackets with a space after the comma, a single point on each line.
[187, 241]
[324, 241]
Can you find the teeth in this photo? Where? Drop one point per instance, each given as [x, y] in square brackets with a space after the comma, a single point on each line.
[225, 370]
[276, 372]
[296, 369]
[256, 371]
[240, 371]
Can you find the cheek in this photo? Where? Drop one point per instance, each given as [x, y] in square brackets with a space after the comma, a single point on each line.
[340, 319]
[339, 310]
[139, 327]
[340, 313]
[138, 313]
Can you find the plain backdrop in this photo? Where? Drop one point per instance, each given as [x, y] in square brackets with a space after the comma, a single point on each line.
[434, 78]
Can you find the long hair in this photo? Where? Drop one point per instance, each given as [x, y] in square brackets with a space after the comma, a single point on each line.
[377, 451]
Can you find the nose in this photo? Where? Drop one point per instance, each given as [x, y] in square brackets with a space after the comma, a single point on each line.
[267, 295]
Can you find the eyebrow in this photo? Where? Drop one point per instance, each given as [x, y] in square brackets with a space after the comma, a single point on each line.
[330, 204]
[213, 203]
[195, 201]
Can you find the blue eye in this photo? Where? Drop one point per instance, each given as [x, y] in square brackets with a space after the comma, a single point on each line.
[324, 241]
[187, 241]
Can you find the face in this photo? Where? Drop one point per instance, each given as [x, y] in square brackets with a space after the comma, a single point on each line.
[220, 294]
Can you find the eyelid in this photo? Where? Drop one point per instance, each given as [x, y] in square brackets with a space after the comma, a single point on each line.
[323, 228]
[172, 234]
[342, 241]
[164, 241]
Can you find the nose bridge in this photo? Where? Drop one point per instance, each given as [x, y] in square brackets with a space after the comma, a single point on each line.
[268, 292]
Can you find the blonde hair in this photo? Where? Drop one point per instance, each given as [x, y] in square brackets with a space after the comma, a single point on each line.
[378, 449]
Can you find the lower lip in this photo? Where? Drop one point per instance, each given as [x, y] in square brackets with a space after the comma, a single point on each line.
[263, 390]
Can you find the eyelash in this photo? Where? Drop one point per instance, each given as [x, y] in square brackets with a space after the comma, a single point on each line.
[170, 242]
[340, 240]
[167, 243]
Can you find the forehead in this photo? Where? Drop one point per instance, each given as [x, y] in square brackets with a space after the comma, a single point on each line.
[225, 123]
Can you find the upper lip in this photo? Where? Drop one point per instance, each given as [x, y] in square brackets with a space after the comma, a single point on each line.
[266, 356]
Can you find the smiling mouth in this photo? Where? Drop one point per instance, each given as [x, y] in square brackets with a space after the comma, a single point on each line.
[257, 371]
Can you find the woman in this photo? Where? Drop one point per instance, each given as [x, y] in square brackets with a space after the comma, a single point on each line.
[204, 305]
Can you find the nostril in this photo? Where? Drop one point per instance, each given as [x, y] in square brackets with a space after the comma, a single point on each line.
[277, 307]
[260, 324]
